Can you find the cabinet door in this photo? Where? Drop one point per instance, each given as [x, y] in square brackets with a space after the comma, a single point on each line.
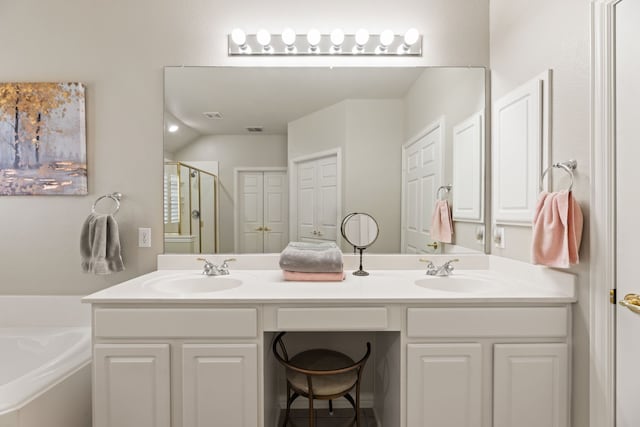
[530, 387]
[220, 385]
[444, 385]
[131, 385]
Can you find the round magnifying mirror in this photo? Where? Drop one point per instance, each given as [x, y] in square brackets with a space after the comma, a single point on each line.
[360, 230]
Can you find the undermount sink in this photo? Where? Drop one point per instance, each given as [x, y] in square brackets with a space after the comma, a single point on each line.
[460, 284]
[193, 284]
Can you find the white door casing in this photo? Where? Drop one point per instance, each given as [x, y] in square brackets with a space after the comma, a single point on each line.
[422, 175]
[627, 127]
[602, 227]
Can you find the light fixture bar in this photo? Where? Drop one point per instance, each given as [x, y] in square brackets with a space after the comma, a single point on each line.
[396, 46]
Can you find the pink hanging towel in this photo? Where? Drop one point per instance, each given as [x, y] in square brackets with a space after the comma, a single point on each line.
[441, 224]
[557, 230]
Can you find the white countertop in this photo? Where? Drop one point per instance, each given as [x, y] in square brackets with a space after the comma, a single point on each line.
[504, 282]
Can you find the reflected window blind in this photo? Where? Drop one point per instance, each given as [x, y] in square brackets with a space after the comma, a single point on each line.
[171, 199]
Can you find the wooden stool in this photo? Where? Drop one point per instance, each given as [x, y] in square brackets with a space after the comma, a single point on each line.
[321, 374]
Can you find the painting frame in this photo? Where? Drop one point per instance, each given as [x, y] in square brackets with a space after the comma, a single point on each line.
[43, 144]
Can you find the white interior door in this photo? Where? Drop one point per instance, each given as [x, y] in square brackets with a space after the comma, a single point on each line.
[276, 211]
[627, 208]
[327, 201]
[317, 198]
[421, 179]
[251, 212]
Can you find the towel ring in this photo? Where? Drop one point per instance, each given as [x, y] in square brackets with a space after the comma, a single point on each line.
[446, 189]
[569, 166]
[113, 196]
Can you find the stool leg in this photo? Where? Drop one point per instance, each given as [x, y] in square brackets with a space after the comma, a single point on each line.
[358, 404]
[330, 407]
[312, 421]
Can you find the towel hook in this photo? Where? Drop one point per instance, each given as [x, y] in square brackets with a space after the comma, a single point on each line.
[116, 197]
[446, 189]
[569, 166]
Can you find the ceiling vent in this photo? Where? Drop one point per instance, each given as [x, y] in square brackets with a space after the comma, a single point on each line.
[213, 115]
[254, 129]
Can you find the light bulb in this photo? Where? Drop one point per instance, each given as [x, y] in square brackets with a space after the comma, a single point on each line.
[386, 38]
[362, 37]
[173, 128]
[263, 37]
[238, 37]
[411, 36]
[288, 36]
[313, 37]
[337, 37]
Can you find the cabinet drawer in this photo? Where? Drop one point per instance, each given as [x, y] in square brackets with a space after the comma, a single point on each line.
[169, 323]
[332, 318]
[488, 322]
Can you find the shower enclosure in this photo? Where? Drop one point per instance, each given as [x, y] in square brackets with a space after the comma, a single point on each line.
[190, 209]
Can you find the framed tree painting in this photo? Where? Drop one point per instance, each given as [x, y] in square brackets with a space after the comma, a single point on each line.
[43, 147]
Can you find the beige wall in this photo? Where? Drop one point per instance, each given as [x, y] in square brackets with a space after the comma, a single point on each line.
[232, 151]
[527, 38]
[118, 48]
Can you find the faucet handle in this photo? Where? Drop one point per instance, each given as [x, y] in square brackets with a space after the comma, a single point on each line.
[426, 260]
[452, 260]
[224, 263]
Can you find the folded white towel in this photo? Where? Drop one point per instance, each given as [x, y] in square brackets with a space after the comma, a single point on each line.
[100, 245]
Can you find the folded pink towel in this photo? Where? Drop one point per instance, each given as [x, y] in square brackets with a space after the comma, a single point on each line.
[441, 225]
[296, 276]
[557, 230]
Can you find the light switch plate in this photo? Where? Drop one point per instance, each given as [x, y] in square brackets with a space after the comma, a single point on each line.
[144, 237]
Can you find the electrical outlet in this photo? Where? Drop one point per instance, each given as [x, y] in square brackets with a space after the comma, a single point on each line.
[498, 237]
[144, 237]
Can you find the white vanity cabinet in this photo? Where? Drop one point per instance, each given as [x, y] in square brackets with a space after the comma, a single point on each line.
[488, 366]
[163, 367]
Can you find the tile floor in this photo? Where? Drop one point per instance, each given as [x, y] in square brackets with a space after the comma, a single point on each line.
[340, 418]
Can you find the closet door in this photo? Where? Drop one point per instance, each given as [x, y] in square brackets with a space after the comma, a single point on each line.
[275, 212]
[306, 206]
[251, 212]
[326, 203]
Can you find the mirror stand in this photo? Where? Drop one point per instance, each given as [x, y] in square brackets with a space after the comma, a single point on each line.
[360, 271]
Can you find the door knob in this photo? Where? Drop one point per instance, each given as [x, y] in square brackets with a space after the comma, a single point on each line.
[433, 245]
[266, 229]
[260, 229]
[632, 302]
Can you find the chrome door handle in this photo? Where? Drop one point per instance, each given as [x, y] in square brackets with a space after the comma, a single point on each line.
[632, 302]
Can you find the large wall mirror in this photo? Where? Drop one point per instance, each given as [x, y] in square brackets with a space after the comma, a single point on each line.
[256, 157]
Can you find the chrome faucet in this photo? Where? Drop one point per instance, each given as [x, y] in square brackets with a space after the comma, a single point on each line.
[210, 269]
[442, 271]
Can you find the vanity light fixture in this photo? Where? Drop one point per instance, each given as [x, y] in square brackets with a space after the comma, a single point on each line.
[263, 37]
[288, 37]
[173, 128]
[313, 38]
[337, 38]
[386, 38]
[361, 43]
[361, 38]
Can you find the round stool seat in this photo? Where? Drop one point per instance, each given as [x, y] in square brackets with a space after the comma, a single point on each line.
[322, 360]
